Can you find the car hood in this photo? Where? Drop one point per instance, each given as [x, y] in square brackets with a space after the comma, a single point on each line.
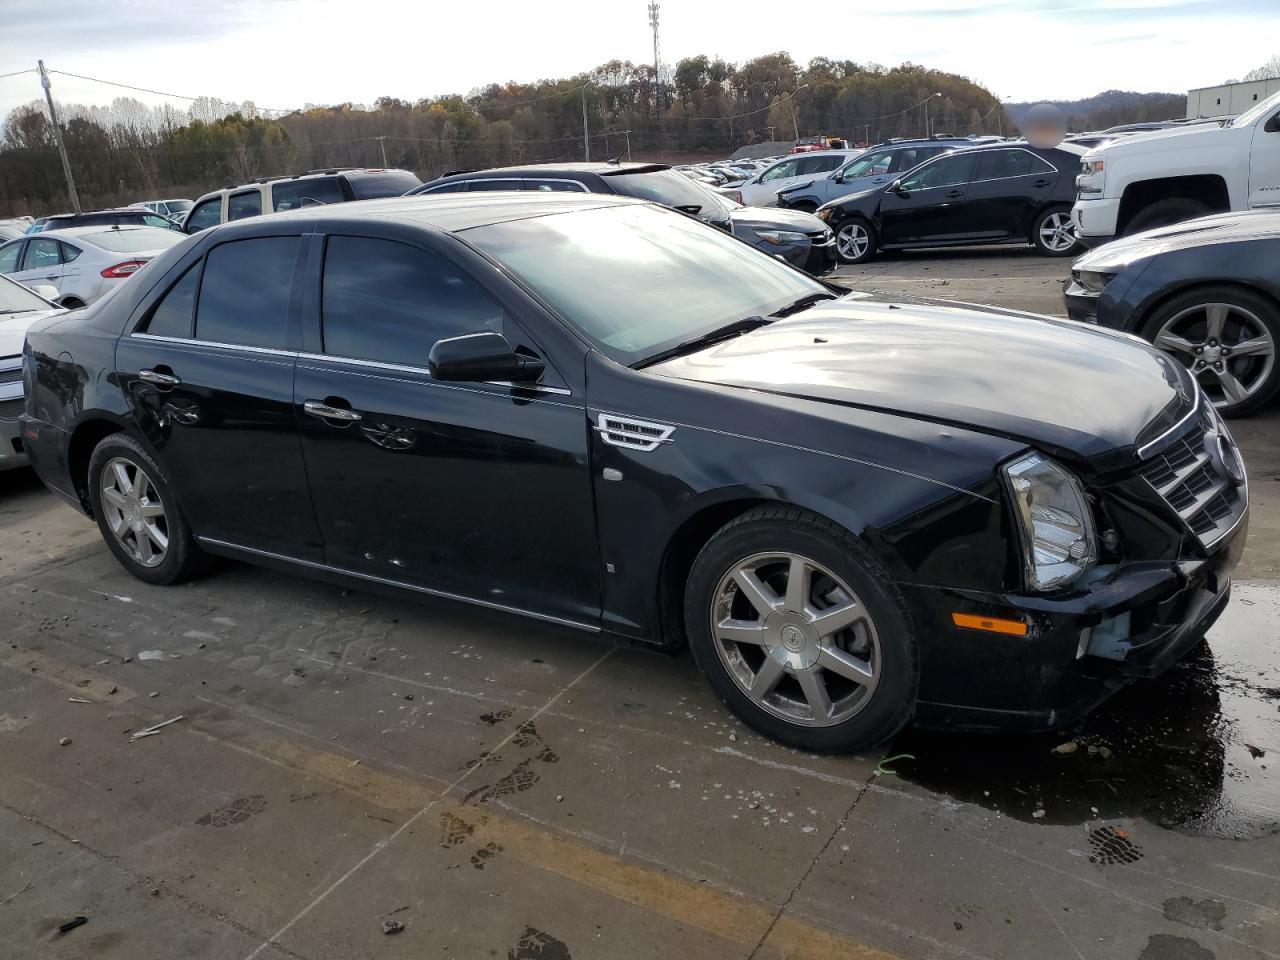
[772, 218]
[1203, 231]
[1071, 389]
[1158, 141]
[863, 200]
[13, 328]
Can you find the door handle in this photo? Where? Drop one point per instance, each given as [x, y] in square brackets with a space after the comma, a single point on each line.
[1041, 183]
[326, 412]
[956, 193]
[158, 378]
[52, 276]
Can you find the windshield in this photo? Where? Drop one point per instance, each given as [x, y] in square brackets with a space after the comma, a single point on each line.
[666, 187]
[867, 165]
[15, 298]
[132, 239]
[1257, 110]
[637, 280]
[179, 206]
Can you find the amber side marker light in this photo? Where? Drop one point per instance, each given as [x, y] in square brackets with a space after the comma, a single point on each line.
[971, 621]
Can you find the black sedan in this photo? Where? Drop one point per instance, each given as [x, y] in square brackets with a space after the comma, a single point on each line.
[1206, 292]
[1004, 193]
[598, 412]
[795, 236]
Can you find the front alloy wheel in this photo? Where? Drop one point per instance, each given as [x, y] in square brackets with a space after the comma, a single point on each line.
[796, 639]
[854, 242]
[1228, 347]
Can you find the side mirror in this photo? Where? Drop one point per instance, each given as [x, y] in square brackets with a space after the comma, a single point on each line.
[46, 290]
[477, 357]
[896, 187]
[838, 177]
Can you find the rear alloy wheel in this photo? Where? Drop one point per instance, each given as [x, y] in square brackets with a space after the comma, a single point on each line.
[1055, 233]
[855, 241]
[1227, 339]
[801, 633]
[137, 513]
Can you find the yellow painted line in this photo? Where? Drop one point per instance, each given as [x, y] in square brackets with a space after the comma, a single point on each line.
[700, 905]
[82, 681]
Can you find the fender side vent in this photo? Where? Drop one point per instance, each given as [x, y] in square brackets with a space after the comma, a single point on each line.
[632, 434]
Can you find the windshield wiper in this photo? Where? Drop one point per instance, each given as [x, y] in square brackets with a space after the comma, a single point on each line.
[728, 331]
[806, 301]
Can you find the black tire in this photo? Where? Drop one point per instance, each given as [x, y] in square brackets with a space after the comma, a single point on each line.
[72, 303]
[891, 703]
[1162, 213]
[182, 558]
[1038, 240]
[1262, 308]
[873, 240]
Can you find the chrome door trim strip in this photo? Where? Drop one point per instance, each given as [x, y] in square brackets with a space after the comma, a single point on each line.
[377, 365]
[218, 345]
[372, 578]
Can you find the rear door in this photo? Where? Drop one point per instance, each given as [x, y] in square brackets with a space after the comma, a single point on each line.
[1009, 187]
[208, 373]
[930, 205]
[476, 490]
[246, 203]
[41, 263]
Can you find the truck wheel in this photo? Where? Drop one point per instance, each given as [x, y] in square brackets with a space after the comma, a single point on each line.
[801, 632]
[1054, 235]
[1162, 213]
[1226, 336]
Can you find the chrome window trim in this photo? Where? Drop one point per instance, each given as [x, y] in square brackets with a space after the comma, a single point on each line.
[426, 371]
[385, 371]
[1052, 169]
[218, 345]
[373, 578]
[578, 185]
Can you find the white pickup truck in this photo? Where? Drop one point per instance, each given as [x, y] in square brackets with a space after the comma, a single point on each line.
[1155, 179]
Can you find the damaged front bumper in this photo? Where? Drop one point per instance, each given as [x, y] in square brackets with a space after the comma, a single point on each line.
[1130, 622]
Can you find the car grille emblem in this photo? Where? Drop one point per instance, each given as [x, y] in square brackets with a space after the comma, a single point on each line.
[632, 434]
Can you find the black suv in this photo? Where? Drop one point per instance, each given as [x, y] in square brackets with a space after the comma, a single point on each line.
[278, 194]
[798, 238]
[123, 217]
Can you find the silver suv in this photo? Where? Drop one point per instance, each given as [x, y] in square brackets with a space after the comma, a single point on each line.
[879, 164]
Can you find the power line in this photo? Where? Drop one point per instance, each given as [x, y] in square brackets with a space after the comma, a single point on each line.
[16, 73]
[158, 93]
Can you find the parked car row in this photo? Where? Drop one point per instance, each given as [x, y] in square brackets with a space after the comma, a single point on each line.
[83, 263]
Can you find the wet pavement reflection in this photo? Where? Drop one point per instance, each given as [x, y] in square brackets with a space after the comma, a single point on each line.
[1196, 750]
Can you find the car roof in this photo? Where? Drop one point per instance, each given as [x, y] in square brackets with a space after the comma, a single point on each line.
[112, 211]
[88, 233]
[602, 168]
[448, 212]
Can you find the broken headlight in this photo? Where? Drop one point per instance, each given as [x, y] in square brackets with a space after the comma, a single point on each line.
[1055, 521]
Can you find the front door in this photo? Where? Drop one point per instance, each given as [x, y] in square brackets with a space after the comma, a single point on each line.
[929, 204]
[480, 491]
[208, 373]
[1264, 162]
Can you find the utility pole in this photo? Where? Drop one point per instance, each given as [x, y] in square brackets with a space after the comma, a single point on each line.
[628, 133]
[866, 134]
[382, 142]
[57, 137]
[586, 136]
[926, 113]
[795, 120]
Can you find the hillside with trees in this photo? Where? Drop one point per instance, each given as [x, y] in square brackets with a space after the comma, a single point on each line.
[1111, 107]
[704, 106]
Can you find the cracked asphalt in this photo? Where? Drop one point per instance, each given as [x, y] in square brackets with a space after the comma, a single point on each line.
[358, 776]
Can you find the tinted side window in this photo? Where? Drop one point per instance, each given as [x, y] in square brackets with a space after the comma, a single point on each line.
[9, 257]
[244, 297]
[1000, 164]
[822, 164]
[173, 315]
[295, 194]
[942, 172]
[69, 252]
[205, 215]
[787, 168]
[458, 186]
[494, 185]
[41, 254]
[241, 205]
[391, 302]
[558, 185]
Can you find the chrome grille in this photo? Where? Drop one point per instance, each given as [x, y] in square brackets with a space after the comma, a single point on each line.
[1194, 478]
[11, 409]
[11, 376]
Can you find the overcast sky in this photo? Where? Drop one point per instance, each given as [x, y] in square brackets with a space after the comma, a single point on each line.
[284, 53]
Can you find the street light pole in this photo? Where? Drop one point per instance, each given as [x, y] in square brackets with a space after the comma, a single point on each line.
[57, 138]
[926, 113]
[586, 135]
[795, 121]
[382, 142]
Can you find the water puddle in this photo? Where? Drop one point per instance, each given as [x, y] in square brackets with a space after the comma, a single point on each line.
[1196, 750]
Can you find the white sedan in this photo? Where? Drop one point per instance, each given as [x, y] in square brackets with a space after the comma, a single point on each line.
[761, 189]
[19, 309]
[83, 262]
